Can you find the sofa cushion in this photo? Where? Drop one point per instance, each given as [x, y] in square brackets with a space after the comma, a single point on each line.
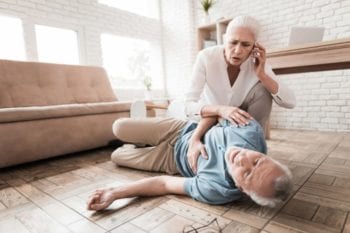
[24, 84]
[8, 115]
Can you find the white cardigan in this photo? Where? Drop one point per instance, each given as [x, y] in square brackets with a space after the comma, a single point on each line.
[210, 83]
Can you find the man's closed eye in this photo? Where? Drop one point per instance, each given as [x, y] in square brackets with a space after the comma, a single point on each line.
[256, 162]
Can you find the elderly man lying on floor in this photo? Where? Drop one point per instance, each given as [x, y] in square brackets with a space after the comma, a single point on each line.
[232, 162]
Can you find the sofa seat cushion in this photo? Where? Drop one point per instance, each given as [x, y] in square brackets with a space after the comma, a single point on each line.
[8, 115]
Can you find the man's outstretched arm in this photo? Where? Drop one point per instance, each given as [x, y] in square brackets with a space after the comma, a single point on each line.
[154, 186]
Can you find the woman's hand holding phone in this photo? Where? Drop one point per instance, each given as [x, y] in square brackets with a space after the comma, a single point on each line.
[259, 59]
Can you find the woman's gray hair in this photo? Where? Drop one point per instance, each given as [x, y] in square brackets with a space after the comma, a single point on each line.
[244, 21]
[283, 187]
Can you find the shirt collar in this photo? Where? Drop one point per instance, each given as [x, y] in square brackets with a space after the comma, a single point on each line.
[228, 177]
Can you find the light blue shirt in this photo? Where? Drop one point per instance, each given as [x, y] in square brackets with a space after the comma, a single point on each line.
[212, 184]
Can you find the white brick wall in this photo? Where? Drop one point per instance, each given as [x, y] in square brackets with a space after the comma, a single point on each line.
[323, 102]
[178, 43]
[323, 97]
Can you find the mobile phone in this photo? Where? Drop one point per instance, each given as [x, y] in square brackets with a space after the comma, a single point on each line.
[254, 59]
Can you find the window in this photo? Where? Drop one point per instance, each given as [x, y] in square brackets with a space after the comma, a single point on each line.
[130, 62]
[148, 8]
[11, 39]
[57, 45]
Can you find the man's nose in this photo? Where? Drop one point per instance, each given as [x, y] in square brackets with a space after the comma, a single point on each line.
[244, 161]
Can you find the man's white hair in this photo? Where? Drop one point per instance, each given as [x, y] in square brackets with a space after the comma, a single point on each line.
[244, 21]
[283, 186]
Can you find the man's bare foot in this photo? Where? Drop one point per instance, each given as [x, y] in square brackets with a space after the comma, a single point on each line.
[100, 199]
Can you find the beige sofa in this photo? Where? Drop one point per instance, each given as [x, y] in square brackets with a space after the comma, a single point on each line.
[50, 109]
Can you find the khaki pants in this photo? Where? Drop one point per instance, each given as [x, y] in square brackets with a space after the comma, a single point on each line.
[160, 134]
[258, 104]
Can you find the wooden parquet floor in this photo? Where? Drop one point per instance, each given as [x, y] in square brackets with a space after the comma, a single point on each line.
[50, 195]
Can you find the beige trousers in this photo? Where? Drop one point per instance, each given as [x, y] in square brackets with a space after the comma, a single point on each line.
[159, 134]
[258, 104]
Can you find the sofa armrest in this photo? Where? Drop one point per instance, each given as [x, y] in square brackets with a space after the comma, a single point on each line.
[8, 115]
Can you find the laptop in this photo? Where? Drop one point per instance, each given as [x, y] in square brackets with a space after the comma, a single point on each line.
[302, 35]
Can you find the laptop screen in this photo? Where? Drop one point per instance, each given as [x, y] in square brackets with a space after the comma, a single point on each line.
[302, 35]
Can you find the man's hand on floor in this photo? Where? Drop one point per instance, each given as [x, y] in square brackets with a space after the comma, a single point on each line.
[100, 199]
[150, 186]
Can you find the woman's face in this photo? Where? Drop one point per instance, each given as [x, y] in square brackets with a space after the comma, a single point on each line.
[239, 45]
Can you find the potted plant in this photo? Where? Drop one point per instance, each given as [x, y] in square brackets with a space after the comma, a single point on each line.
[206, 5]
[147, 82]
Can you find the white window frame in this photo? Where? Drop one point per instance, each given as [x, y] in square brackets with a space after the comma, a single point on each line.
[155, 60]
[80, 37]
[25, 55]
